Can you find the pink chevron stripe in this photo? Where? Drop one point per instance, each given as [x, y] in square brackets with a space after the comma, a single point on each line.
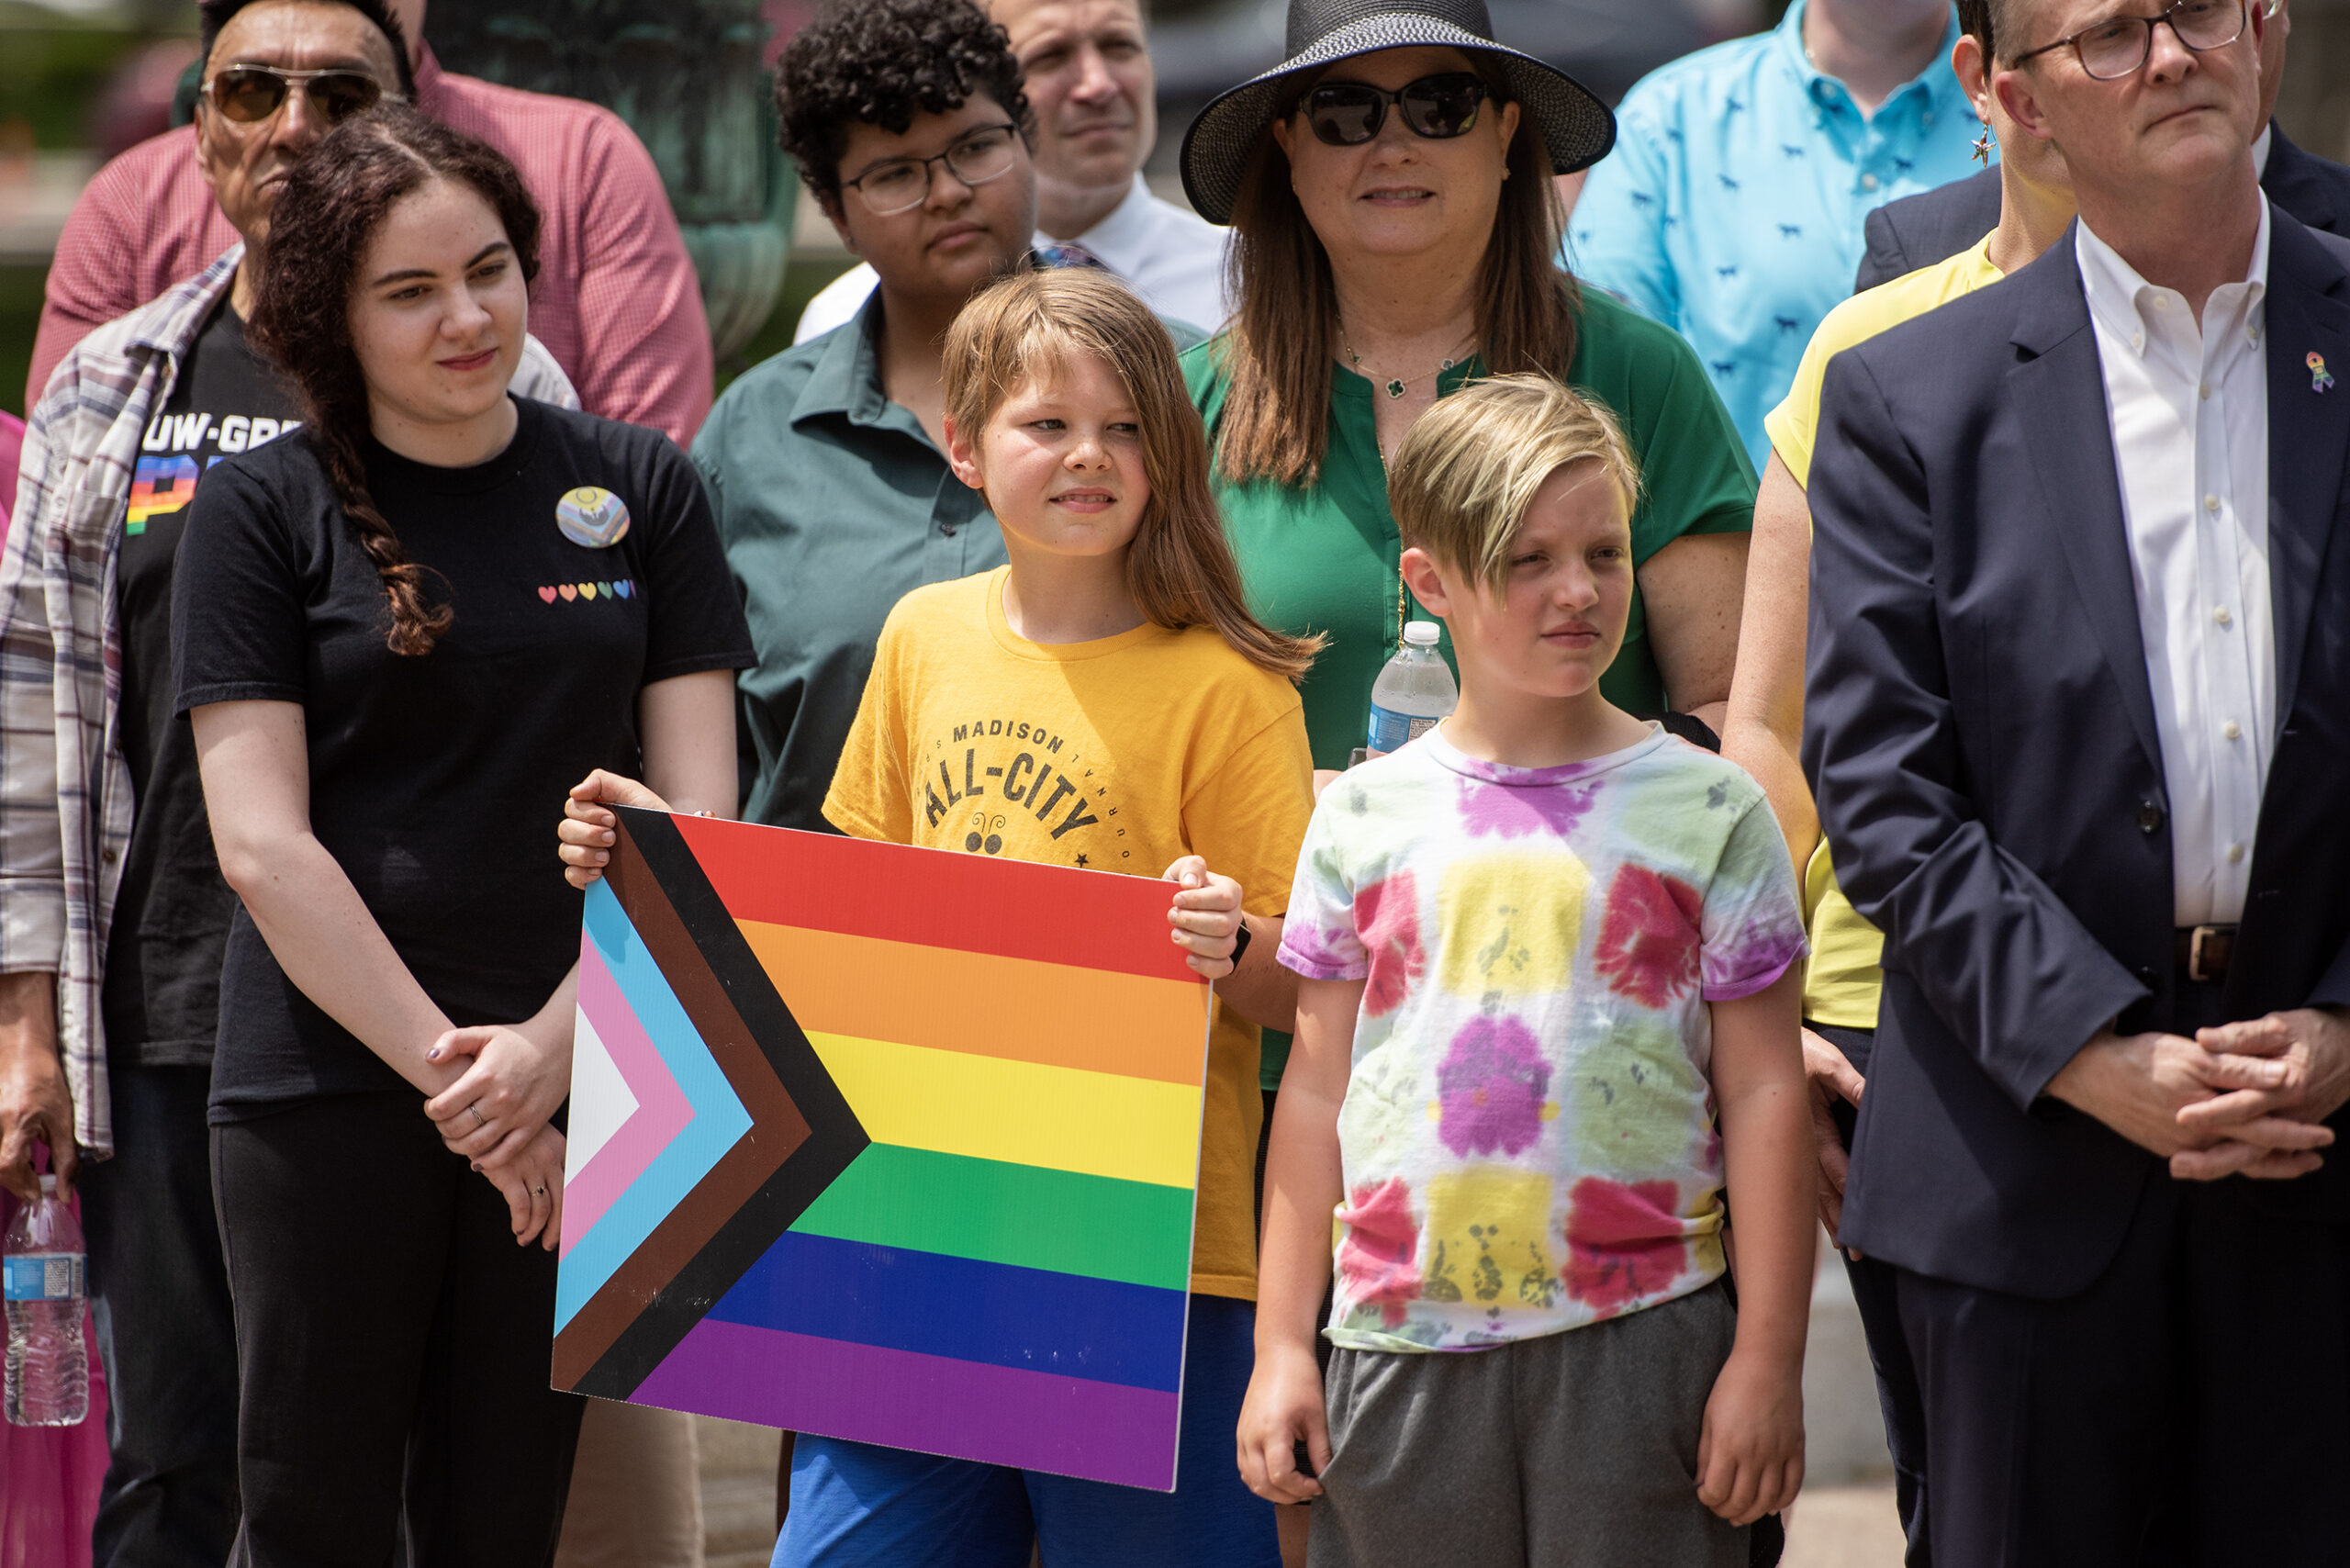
[661, 1109]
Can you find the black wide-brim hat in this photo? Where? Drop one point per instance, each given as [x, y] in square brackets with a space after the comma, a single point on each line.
[1573, 124]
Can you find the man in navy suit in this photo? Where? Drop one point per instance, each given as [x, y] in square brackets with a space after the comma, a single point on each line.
[1920, 230]
[2078, 724]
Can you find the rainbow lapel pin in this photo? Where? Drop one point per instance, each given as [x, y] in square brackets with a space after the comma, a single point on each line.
[2319, 377]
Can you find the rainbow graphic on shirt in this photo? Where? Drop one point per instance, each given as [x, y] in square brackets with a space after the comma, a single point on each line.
[160, 485]
[882, 1143]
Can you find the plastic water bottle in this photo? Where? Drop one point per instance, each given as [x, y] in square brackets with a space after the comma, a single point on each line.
[46, 1284]
[1413, 692]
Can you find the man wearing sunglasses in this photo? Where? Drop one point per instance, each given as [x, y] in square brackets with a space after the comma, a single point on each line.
[615, 301]
[113, 914]
[1087, 73]
[2074, 721]
[1731, 207]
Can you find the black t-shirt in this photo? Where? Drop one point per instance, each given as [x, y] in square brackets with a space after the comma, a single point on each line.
[436, 782]
[171, 916]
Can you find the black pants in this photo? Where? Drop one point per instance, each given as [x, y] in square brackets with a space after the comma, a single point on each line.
[392, 1344]
[1897, 1397]
[2191, 1406]
[159, 1299]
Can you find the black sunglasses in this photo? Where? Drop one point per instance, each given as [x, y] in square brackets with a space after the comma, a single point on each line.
[1348, 114]
[250, 94]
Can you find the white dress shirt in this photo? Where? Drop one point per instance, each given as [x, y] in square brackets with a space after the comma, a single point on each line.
[2188, 407]
[1174, 258]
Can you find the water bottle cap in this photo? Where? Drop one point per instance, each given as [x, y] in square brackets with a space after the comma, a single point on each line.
[1422, 633]
[47, 1186]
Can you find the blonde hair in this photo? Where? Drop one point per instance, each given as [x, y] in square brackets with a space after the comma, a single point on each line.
[1464, 474]
[1275, 423]
[1179, 568]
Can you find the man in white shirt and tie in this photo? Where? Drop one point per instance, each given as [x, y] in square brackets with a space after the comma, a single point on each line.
[2078, 723]
[1095, 96]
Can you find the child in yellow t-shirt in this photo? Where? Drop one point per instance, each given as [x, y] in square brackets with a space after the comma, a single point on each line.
[1104, 701]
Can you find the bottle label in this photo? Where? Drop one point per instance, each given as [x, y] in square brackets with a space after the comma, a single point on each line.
[43, 1276]
[1391, 730]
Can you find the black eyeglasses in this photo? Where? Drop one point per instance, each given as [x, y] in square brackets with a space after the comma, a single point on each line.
[1348, 114]
[250, 94]
[2118, 46]
[903, 183]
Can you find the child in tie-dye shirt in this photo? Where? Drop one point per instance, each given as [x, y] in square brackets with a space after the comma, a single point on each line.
[1548, 1012]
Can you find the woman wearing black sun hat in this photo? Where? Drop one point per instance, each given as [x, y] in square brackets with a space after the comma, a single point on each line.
[1395, 232]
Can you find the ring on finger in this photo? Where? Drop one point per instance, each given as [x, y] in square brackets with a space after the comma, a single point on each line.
[538, 1191]
[480, 1121]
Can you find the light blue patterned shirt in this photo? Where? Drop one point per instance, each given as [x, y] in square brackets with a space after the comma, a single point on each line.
[1731, 207]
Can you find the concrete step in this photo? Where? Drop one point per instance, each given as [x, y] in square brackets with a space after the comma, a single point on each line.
[737, 1492]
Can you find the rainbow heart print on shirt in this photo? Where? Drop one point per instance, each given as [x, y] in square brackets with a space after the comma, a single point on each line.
[587, 593]
[887, 1143]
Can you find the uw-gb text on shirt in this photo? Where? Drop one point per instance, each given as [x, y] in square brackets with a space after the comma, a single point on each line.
[1528, 1138]
[1123, 754]
[1731, 208]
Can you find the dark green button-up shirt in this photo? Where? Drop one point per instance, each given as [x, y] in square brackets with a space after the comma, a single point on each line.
[833, 504]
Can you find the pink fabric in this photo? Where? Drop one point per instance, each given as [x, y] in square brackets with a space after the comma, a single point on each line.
[49, 1476]
[12, 447]
[616, 301]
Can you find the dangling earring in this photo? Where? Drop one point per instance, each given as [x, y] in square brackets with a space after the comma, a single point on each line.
[1983, 146]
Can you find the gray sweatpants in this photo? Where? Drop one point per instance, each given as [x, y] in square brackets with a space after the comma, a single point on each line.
[1571, 1451]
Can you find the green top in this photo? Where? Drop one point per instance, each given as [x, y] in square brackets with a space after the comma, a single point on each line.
[833, 504]
[1326, 558]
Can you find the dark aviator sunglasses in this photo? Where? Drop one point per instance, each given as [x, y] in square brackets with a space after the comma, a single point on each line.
[1348, 114]
[250, 94]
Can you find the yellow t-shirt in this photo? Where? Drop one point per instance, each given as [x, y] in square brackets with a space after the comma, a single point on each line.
[1794, 423]
[1841, 981]
[1124, 754]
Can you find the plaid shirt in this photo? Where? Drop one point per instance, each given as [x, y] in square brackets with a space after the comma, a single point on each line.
[65, 796]
[615, 300]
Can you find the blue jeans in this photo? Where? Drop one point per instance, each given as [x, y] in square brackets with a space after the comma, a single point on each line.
[855, 1505]
[160, 1297]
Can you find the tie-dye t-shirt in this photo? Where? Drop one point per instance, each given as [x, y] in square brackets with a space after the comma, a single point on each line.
[1527, 1136]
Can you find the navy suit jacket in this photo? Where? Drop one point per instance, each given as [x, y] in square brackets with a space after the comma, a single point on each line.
[1980, 735]
[1918, 230]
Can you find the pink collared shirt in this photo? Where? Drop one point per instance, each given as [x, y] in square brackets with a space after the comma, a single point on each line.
[616, 301]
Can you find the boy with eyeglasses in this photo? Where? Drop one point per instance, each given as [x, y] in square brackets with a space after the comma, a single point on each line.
[1087, 71]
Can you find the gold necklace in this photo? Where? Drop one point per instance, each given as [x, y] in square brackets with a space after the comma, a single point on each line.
[1396, 387]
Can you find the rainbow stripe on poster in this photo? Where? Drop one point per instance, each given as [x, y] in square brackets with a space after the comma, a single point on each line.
[889, 1144]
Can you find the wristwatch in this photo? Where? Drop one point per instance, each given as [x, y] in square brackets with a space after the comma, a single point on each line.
[1240, 942]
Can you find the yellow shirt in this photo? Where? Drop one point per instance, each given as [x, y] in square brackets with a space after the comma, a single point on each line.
[1124, 754]
[1794, 423]
[1841, 981]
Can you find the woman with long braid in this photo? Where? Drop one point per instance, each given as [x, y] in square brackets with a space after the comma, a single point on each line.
[400, 638]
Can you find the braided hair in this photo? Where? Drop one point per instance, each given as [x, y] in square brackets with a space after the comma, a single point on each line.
[330, 208]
